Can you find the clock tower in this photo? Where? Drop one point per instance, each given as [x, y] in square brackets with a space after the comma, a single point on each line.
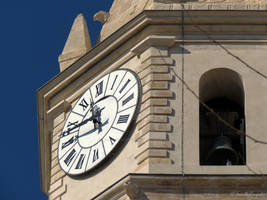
[170, 104]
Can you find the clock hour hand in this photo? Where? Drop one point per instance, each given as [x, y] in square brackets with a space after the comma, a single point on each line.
[93, 130]
[68, 131]
[96, 112]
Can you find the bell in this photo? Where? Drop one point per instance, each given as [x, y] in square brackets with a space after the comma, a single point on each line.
[222, 152]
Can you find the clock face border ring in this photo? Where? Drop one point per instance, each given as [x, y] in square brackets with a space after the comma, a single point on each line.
[126, 133]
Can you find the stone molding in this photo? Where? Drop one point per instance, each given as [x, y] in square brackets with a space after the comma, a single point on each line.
[152, 122]
[172, 186]
[123, 11]
[57, 187]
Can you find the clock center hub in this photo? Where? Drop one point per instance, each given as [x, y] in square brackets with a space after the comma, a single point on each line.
[102, 114]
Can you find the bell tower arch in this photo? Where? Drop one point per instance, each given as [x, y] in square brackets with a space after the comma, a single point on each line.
[222, 91]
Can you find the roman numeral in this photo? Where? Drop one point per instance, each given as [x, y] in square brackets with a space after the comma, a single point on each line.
[72, 123]
[99, 89]
[95, 157]
[114, 82]
[129, 98]
[123, 119]
[70, 157]
[68, 131]
[127, 82]
[112, 140]
[84, 104]
[70, 141]
[80, 162]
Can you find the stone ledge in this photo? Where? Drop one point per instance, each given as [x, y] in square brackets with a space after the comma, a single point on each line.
[153, 69]
[161, 127]
[53, 155]
[159, 51]
[55, 169]
[167, 184]
[154, 102]
[157, 61]
[157, 110]
[156, 77]
[157, 94]
[152, 118]
[208, 5]
[153, 41]
[150, 136]
[55, 186]
[156, 85]
[54, 163]
[57, 176]
[57, 130]
[55, 146]
[152, 153]
[167, 145]
[59, 192]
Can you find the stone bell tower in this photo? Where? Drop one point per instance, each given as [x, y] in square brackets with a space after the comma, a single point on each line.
[198, 128]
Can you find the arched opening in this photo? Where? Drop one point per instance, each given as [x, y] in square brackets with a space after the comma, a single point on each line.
[222, 90]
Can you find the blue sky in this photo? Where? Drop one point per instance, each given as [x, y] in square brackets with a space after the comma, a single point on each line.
[32, 35]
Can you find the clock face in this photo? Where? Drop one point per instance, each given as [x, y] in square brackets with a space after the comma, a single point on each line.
[98, 121]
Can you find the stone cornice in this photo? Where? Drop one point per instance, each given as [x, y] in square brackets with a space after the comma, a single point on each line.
[139, 184]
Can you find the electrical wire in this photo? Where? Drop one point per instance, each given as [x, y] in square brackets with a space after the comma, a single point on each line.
[223, 47]
[182, 128]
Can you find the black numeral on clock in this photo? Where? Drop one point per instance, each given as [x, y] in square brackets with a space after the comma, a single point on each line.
[80, 162]
[71, 126]
[114, 82]
[99, 89]
[123, 119]
[129, 98]
[112, 140]
[95, 156]
[125, 85]
[72, 123]
[70, 157]
[84, 104]
[70, 141]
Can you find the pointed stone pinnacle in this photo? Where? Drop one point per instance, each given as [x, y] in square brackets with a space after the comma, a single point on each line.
[77, 44]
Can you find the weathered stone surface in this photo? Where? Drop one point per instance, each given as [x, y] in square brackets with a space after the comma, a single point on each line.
[152, 153]
[58, 193]
[154, 69]
[55, 186]
[160, 110]
[57, 176]
[157, 94]
[123, 11]
[55, 169]
[152, 118]
[156, 85]
[54, 162]
[150, 136]
[153, 145]
[78, 43]
[154, 52]
[154, 102]
[157, 77]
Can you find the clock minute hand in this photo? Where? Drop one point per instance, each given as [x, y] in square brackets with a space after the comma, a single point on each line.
[93, 118]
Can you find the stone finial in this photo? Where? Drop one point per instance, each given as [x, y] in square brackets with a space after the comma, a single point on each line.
[77, 44]
[101, 16]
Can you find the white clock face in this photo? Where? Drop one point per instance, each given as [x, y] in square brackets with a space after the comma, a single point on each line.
[98, 121]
